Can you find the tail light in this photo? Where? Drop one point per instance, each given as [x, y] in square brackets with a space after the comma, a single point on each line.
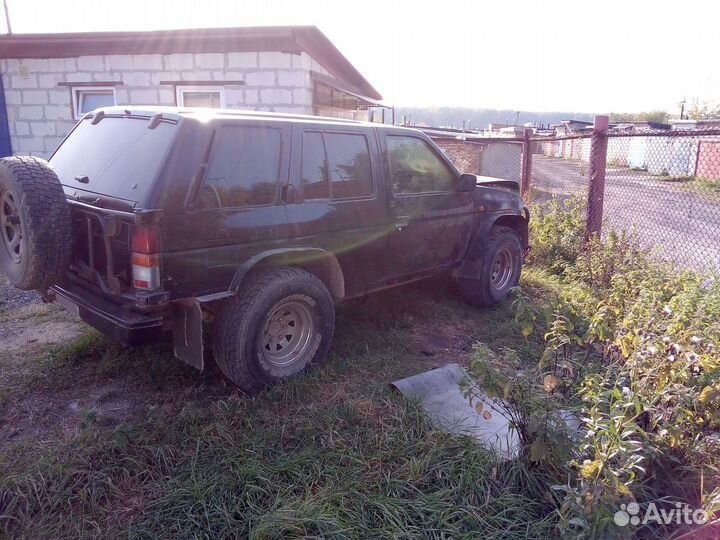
[145, 258]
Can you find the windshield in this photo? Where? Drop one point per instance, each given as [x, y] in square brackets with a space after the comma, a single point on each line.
[118, 156]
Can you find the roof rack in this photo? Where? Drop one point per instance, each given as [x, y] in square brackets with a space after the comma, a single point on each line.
[150, 110]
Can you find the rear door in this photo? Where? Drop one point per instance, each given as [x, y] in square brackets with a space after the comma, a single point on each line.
[431, 217]
[236, 210]
[340, 204]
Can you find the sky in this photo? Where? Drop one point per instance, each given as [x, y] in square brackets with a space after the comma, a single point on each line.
[594, 56]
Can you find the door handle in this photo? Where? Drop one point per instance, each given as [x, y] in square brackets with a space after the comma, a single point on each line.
[402, 222]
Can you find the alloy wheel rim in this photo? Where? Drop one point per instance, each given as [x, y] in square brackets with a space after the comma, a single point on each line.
[286, 334]
[502, 269]
[10, 226]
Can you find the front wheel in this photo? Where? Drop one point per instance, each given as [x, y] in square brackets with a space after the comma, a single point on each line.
[279, 324]
[499, 269]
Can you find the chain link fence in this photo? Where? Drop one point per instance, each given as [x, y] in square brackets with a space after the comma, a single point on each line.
[661, 184]
[666, 187]
[496, 157]
[559, 168]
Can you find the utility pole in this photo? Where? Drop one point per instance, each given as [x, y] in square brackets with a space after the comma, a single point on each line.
[7, 17]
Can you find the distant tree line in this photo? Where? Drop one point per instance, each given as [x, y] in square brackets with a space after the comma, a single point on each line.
[477, 119]
[660, 117]
[459, 117]
[697, 110]
[703, 110]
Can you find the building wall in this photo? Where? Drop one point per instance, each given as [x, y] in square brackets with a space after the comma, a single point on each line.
[465, 155]
[335, 112]
[39, 110]
[497, 159]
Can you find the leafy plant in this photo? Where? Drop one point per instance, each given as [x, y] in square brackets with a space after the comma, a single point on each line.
[529, 397]
[637, 354]
[557, 228]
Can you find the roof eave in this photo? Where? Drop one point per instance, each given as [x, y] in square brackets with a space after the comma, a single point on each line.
[157, 41]
[317, 45]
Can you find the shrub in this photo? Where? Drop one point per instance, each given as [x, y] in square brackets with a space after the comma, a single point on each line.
[637, 355]
[557, 229]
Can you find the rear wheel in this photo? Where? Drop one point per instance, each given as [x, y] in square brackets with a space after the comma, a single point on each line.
[34, 223]
[279, 324]
[499, 269]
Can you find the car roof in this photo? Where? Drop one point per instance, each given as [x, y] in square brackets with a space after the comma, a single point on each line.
[207, 114]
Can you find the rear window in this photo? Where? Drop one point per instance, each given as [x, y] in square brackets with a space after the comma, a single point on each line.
[120, 157]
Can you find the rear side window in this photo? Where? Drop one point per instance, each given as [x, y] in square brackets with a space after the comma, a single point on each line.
[415, 168]
[314, 167]
[336, 166]
[244, 167]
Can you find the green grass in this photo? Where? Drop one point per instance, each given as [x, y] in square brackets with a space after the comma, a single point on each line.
[677, 179]
[335, 454]
[708, 185]
[699, 185]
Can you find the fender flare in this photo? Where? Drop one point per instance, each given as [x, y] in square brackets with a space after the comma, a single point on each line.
[518, 221]
[316, 260]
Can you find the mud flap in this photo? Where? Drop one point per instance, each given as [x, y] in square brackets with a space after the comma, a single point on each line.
[187, 333]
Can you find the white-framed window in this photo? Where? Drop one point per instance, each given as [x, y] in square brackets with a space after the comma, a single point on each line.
[89, 98]
[201, 96]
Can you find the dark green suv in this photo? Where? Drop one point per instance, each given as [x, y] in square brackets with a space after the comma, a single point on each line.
[153, 220]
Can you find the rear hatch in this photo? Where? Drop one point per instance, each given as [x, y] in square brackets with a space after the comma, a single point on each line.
[108, 167]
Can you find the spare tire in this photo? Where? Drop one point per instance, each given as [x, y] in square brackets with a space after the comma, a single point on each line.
[35, 242]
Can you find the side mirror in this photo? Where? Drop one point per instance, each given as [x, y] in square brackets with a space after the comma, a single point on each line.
[467, 182]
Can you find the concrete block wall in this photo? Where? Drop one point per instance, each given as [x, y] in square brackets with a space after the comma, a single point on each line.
[39, 108]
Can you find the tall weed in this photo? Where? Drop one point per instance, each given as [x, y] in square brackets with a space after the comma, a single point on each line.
[637, 357]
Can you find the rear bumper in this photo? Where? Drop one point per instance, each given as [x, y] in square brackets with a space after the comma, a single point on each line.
[114, 320]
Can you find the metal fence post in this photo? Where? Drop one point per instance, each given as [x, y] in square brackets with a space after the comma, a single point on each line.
[526, 169]
[596, 189]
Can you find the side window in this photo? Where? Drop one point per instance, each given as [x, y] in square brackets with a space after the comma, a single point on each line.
[243, 168]
[415, 168]
[314, 167]
[336, 166]
[349, 165]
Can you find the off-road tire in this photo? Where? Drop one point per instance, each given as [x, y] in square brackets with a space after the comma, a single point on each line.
[240, 325]
[482, 291]
[32, 196]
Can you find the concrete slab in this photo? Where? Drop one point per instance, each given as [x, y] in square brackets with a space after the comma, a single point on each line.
[440, 394]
